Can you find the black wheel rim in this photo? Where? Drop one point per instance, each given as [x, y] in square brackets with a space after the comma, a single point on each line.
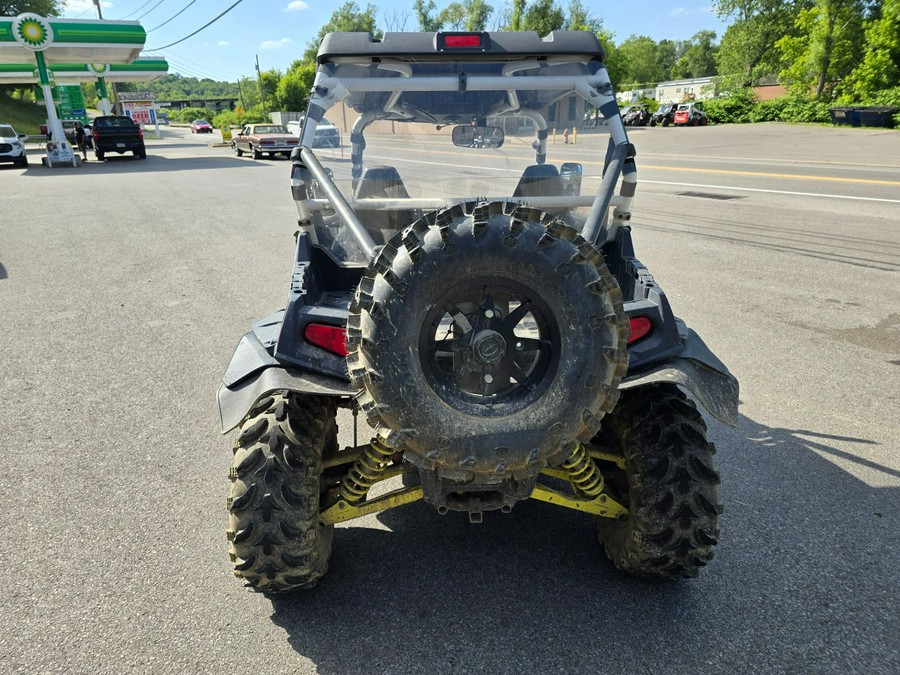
[490, 347]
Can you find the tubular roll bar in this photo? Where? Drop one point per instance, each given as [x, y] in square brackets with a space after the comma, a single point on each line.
[362, 236]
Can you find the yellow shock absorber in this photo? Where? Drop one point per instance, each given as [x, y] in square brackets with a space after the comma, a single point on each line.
[365, 472]
[583, 472]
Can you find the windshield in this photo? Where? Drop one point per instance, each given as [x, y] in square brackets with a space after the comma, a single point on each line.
[7, 131]
[269, 129]
[518, 142]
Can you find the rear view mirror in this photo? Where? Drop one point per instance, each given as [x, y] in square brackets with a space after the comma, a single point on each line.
[571, 172]
[477, 137]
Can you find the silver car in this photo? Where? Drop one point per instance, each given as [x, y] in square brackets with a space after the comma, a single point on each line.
[12, 149]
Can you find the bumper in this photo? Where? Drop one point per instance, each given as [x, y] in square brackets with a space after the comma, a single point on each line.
[281, 147]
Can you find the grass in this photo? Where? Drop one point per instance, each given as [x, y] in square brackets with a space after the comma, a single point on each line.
[25, 116]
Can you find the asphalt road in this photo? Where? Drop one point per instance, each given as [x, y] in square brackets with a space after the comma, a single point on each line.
[125, 285]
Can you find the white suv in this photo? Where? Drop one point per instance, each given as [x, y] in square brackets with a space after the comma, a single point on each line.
[12, 149]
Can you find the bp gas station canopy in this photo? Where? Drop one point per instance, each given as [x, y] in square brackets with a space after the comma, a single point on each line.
[37, 49]
[141, 70]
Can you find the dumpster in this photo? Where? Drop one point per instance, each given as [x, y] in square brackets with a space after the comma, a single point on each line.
[839, 116]
[878, 116]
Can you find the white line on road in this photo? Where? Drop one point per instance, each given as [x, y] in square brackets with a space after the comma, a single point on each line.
[774, 192]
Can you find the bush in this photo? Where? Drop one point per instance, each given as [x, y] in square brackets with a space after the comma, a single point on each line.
[231, 118]
[188, 115]
[736, 107]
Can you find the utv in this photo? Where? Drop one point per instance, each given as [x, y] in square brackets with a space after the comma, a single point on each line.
[665, 115]
[482, 309]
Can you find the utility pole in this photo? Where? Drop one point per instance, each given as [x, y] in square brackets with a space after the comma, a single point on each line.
[241, 92]
[262, 94]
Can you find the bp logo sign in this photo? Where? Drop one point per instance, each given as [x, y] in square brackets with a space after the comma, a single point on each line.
[99, 69]
[32, 32]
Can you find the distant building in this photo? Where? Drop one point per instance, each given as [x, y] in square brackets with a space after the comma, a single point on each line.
[676, 91]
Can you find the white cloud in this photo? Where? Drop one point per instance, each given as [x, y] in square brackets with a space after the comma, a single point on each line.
[676, 12]
[223, 43]
[276, 44]
[296, 6]
[84, 5]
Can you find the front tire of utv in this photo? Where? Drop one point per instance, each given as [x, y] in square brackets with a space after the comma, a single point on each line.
[669, 485]
[277, 542]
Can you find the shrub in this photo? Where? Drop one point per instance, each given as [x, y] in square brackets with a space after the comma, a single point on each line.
[188, 115]
[735, 107]
[231, 118]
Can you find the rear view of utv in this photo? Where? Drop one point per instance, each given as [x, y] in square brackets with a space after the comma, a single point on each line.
[471, 292]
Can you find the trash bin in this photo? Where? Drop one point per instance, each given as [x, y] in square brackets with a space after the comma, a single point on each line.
[839, 116]
[853, 116]
[877, 116]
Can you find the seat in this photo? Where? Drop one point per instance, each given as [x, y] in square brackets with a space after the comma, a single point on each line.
[539, 180]
[383, 182]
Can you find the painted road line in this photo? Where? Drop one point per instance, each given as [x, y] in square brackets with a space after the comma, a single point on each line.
[774, 192]
[765, 174]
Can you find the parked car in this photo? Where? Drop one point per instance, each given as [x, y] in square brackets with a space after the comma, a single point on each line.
[270, 139]
[690, 114]
[327, 135]
[118, 133]
[664, 115]
[636, 116]
[201, 127]
[12, 149]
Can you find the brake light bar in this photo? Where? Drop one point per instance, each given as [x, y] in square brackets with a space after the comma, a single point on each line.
[330, 338]
[463, 41]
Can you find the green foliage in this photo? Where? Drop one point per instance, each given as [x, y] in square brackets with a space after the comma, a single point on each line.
[641, 57]
[188, 115]
[426, 15]
[25, 116]
[470, 15]
[826, 47]
[347, 17]
[42, 7]
[175, 87]
[232, 118]
[880, 66]
[734, 108]
[741, 107]
[699, 56]
[293, 89]
[543, 16]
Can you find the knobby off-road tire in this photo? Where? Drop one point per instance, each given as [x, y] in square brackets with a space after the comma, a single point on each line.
[669, 485]
[277, 542]
[475, 263]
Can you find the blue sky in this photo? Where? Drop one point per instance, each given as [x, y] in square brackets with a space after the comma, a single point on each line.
[279, 30]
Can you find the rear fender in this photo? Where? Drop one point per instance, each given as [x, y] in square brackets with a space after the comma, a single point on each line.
[254, 374]
[701, 373]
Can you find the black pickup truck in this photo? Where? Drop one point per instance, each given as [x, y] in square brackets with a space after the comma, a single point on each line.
[117, 133]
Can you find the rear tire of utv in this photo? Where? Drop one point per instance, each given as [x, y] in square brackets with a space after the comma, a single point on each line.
[433, 396]
[277, 542]
[669, 485]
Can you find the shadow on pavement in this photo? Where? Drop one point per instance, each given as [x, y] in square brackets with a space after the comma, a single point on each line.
[795, 585]
[124, 163]
[3, 274]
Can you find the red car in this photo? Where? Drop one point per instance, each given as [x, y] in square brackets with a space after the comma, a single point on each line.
[201, 127]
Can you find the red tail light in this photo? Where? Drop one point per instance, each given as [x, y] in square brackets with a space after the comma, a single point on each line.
[640, 328]
[462, 41]
[140, 133]
[96, 135]
[332, 338]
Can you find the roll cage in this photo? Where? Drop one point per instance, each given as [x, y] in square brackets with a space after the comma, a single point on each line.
[417, 77]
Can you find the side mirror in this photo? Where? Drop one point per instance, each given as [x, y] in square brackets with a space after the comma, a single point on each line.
[465, 136]
[570, 173]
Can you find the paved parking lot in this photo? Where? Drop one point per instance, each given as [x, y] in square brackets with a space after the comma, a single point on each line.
[125, 285]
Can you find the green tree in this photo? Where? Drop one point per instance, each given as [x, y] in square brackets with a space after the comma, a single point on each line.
[699, 57]
[640, 59]
[42, 7]
[346, 18]
[469, 15]
[827, 46]
[427, 16]
[293, 89]
[747, 51]
[516, 16]
[880, 67]
[543, 16]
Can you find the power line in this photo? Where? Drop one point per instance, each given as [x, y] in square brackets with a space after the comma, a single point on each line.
[172, 17]
[199, 29]
[150, 10]
[135, 11]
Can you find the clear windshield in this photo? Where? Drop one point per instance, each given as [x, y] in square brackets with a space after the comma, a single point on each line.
[514, 143]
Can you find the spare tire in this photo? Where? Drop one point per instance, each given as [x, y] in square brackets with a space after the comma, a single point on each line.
[485, 339]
